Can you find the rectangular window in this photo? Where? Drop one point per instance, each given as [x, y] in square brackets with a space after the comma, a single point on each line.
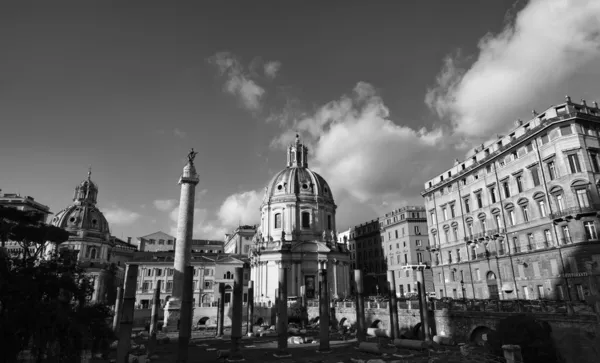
[582, 198]
[540, 291]
[535, 176]
[566, 130]
[560, 202]
[525, 213]
[498, 222]
[278, 220]
[520, 183]
[530, 242]
[479, 200]
[417, 243]
[493, 194]
[467, 207]
[445, 213]
[566, 234]
[470, 228]
[455, 233]
[452, 211]
[526, 292]
[580, 294]
[478, 274]
[506, 189]
[590, 230]
[305, 220]
[560, 292]
[542, 208]
[574, 165]
[594, 160]
[513, 218]
[396, 233]
[417, 230]
[551, 170]
[419, 257]
[547, 238]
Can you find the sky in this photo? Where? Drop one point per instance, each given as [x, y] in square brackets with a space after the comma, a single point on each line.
[386, 94]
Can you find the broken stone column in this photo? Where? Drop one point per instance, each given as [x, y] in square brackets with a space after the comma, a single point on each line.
[324, 310]
[185, 325]
[250, 322]
[185, 227]
[126, 323]
[395, 331]
[118, 305]
[282, 321]
[360, 306]
[154, 318]
[221, 311]
[237, 315]
[423, 303]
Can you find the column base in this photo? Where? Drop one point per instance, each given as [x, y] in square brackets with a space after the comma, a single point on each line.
[172, 315]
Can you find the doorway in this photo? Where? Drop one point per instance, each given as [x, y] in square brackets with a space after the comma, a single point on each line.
[492, 284]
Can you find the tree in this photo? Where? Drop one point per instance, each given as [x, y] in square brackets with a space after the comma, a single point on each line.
[43, 301]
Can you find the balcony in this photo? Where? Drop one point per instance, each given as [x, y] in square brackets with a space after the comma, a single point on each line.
[574, 212]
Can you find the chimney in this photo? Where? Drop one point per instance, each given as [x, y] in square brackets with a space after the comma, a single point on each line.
[583, 102]
[595, 105]
[568, 99]
[129, 240]
[141, 244]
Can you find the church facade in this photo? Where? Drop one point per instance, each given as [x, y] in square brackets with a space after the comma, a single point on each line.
[297, 232]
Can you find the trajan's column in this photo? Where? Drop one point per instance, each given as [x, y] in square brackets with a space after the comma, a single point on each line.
[185, 228]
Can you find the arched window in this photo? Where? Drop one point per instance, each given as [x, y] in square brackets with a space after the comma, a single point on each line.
[228, 276]
[278, 220]
[305, 219]
[329, 221]
[93, 253]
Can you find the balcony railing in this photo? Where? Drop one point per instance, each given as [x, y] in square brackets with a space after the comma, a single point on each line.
[575, 211]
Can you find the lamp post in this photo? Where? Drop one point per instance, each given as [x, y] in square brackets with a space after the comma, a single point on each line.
[377, 288]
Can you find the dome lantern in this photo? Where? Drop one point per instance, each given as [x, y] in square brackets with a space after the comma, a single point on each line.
[297, 154]
[86, 192]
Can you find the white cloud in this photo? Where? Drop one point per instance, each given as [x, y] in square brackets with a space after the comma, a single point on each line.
[238, 81]
[271, 69]
[179, 133]
[546, 43]
[241, 208]
[120, 216]
[164, 205]
[366, 157]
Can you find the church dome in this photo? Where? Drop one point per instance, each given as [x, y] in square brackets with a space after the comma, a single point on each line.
[83, 217]
[297, 179]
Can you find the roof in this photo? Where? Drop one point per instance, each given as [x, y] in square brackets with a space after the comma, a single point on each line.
[205, 258]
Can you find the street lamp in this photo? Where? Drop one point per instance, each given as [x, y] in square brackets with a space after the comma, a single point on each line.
[377, 288]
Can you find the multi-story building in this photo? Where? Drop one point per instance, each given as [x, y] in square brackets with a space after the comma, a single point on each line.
[162, 242]
[405, 242]
[366, 253]
[240, 241]
[26, 204]
[210, 269]
[344, 237]
[518, 218]
[156, 242]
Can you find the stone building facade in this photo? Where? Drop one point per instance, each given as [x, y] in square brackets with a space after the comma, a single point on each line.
[240, 241]
[297, 231]
[405, 242]
[518, 219]
[210, 269]
[366, 252]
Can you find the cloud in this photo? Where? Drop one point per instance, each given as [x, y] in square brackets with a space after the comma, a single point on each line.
[180, 134]
[164, 205]
[120, 216]
[540, 48]
[241, 208]
[238, 81]
[367, 158]
[271, 69]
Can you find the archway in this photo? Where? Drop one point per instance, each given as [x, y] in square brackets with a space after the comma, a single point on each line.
[480, 335]
[492, 284]
[377, 324]
[203, 320]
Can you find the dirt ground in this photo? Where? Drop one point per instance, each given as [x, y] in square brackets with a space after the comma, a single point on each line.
[205, 347]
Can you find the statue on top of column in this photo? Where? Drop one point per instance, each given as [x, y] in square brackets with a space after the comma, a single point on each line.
[191, 156]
